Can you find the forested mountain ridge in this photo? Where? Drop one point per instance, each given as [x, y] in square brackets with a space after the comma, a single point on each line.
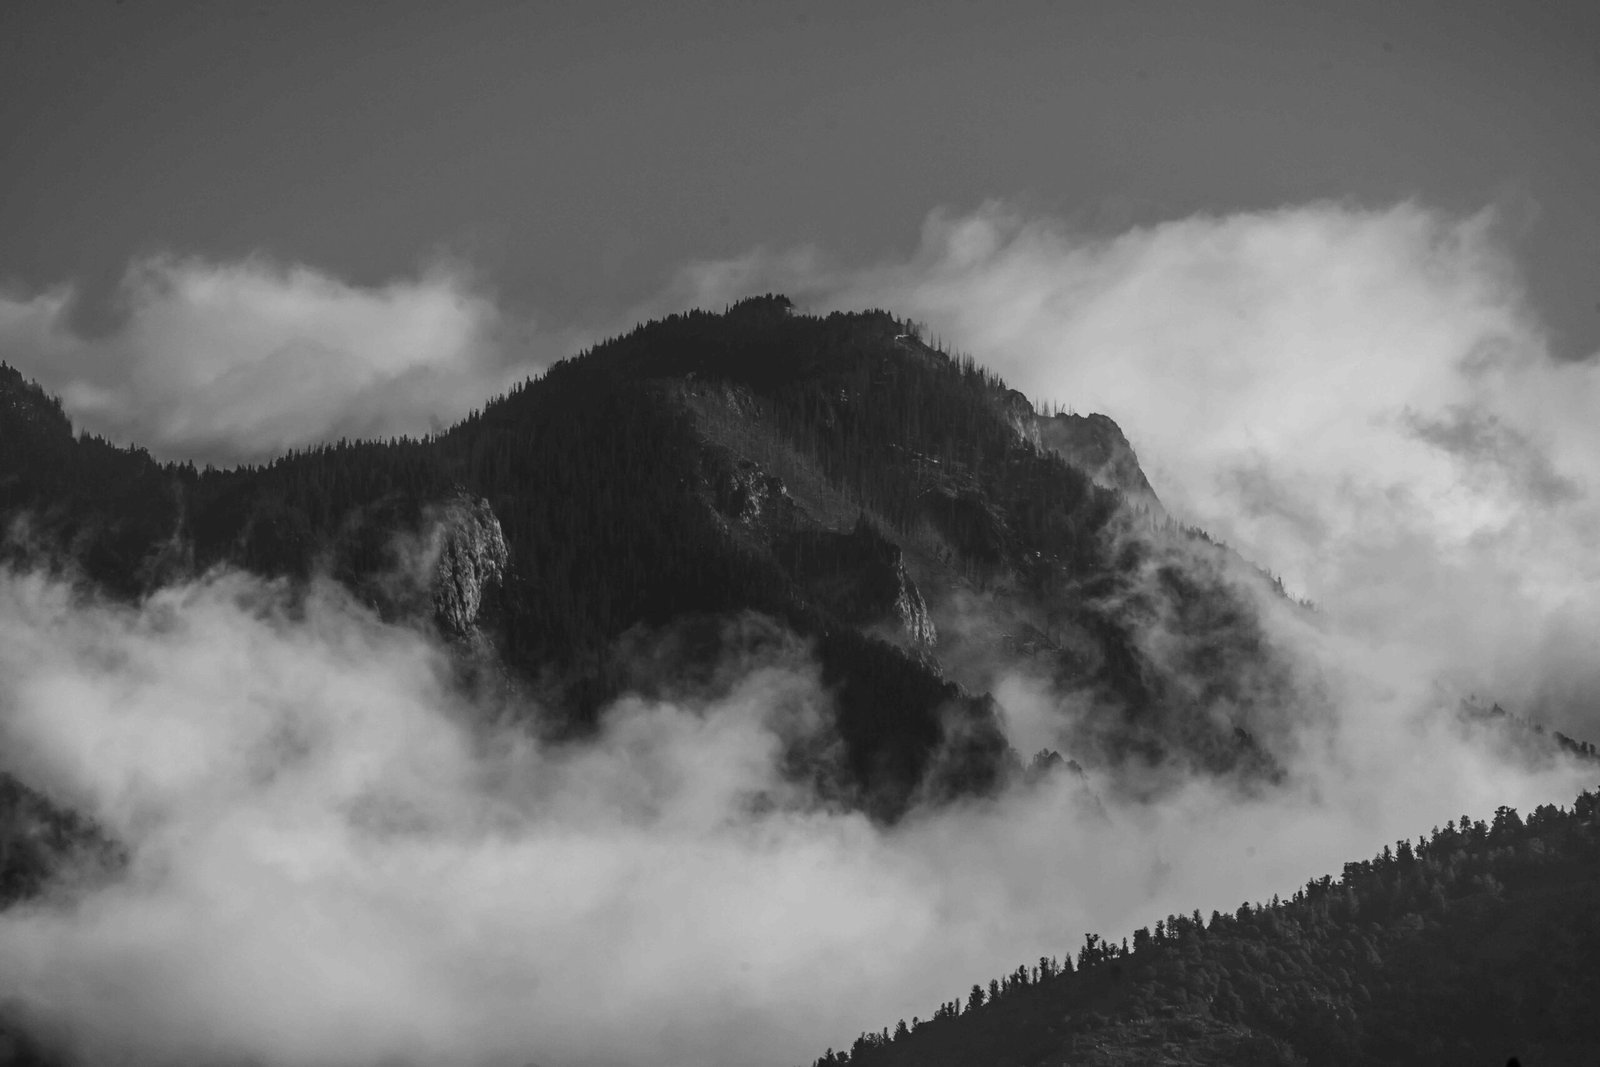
[1477, 942]
[832, 472]
[900, 507]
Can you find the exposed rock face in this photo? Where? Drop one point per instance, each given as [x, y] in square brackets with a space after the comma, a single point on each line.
[470, 555]
[1096, 445]
[1018, 411]
[753, 498]
[912, 609]
[1092, 443]
[861, 577]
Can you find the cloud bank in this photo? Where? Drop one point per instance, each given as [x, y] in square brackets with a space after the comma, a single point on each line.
[336, 859]
[238, 361]
[1359, 399]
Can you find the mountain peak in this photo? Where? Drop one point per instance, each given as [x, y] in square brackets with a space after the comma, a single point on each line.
[833, 473]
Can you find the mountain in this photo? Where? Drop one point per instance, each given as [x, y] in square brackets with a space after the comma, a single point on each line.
[1474, 944]
[617, 524]
[902, 508]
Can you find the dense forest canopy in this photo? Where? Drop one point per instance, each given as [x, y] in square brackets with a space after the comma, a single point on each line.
[1476, 942]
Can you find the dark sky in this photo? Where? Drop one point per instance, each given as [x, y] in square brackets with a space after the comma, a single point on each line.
[577, 153]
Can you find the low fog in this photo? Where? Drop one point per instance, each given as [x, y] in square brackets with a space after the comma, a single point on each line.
[338, 857]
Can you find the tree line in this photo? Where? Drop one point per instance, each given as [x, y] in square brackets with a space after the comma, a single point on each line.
[1466, 945]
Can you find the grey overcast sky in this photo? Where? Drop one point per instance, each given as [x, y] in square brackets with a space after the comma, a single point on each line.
[575, 154]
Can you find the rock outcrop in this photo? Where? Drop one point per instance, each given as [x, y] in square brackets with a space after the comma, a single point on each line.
[1096, 445]
[912, 610]
[753, 498]
[469, 554]
[1018, 410]
[860, 577]
[1093, 443]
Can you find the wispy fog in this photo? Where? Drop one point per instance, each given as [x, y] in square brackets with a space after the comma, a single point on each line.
[335, 859]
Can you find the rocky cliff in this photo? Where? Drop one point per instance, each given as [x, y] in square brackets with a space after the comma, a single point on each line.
[1096, 445]
[469, 554]
[861, 578]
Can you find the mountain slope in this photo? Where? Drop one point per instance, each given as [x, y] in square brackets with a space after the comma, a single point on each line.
[1478, 942]
[608, 527]
[887, 500]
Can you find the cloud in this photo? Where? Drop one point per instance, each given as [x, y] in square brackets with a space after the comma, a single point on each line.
[335, 858]
[235, 361]
[1360, 399]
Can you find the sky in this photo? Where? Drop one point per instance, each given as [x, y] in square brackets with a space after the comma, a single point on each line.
[1278, 243]
[576, 154]
[1334, 268]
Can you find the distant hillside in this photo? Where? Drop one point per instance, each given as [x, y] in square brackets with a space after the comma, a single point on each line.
[1475, 943]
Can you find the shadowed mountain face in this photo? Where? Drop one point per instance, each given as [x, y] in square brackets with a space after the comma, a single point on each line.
[899, 506]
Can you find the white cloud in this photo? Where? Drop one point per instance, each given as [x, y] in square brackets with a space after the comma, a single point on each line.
[1359, 399]
[242, 360]
[334, 860]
